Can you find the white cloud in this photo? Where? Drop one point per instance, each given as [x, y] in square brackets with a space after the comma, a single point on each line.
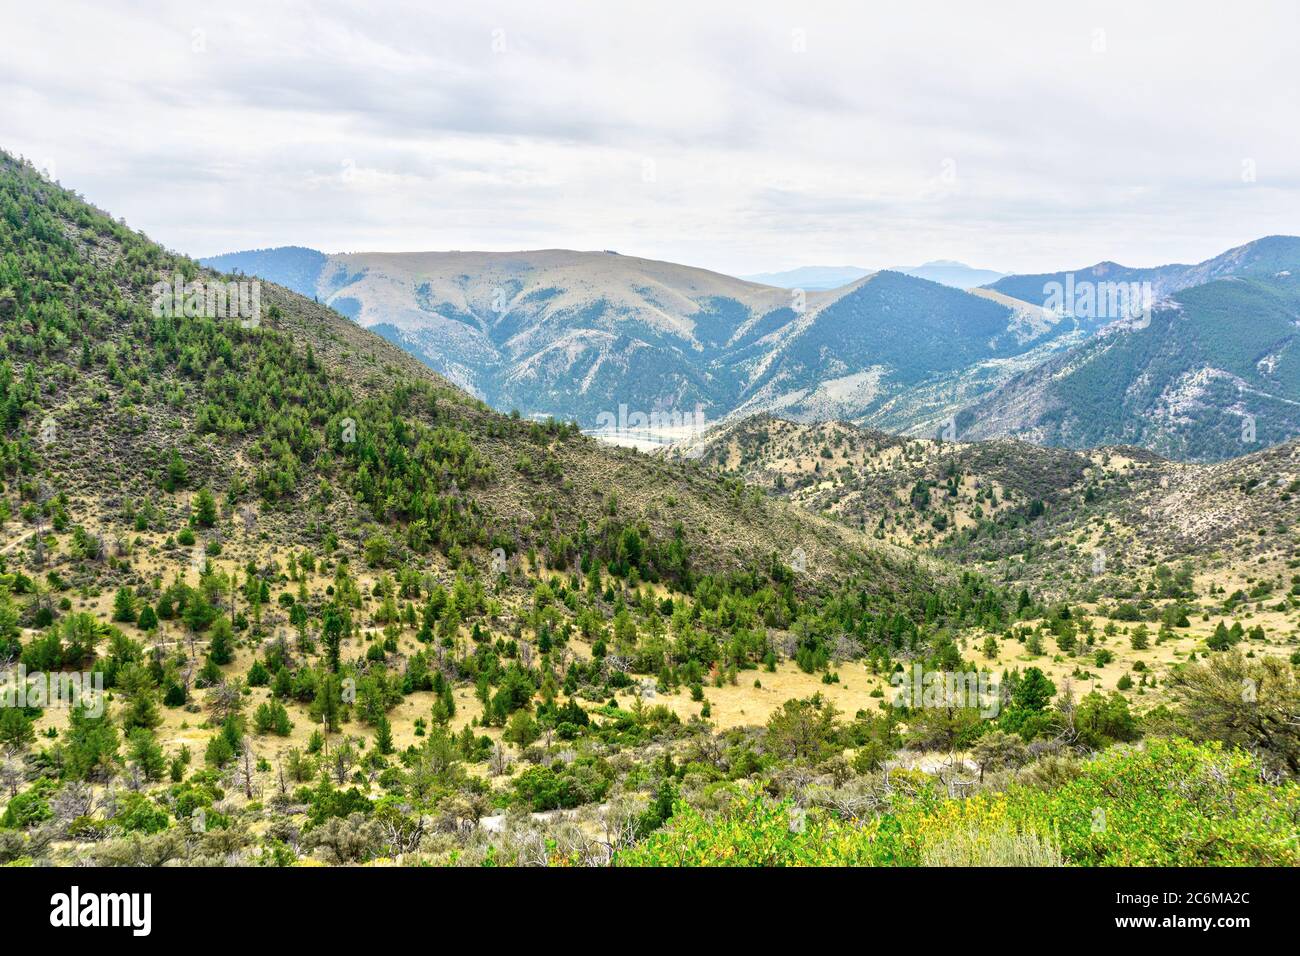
[1016, 137]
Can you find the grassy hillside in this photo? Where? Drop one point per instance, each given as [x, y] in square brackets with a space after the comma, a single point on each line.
[254, 415]
[1025, 513]
[917, 493]
[328, 608]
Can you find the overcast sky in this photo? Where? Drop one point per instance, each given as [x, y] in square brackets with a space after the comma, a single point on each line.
[1014, 136]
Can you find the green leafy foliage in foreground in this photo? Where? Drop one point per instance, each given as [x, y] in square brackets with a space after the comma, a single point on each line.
[1168, 803]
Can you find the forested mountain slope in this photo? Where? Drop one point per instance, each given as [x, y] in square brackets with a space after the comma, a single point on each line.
[255, 414]
[1213, 373]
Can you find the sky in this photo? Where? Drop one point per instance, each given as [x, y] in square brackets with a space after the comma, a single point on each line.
[741, 137]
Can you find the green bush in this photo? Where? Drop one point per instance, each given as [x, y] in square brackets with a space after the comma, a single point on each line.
[1168, 803]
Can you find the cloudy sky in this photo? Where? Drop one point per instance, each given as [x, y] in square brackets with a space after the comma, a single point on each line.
[743, 137]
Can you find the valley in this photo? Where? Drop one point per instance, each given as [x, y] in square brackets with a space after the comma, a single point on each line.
[1206, 369]
[343, 609]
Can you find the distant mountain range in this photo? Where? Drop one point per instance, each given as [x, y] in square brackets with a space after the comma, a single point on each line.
[579, 335]
[942, 271]
[1196, 355]
[810, 277]
[1263, 257]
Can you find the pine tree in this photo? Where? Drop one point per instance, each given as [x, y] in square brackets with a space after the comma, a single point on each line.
[177, 473]
[328, 703]
[272, 717]
[124, 606]
[143, 751]
[1219, 640]
[16, 729]
[219, 752]
[209, 673]
[1033, 691]
[141, 699]
[176, 695]
[205, 509]
[281, 725]
[221, 649]
[383, 735]
[89, 745]
[332, 637]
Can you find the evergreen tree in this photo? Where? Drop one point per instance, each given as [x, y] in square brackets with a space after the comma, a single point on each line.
[205, 509]
[16, 731]
[90, 745]
[137, 687]
[329, 703]
[124, 606]
[144, 752]
[1033, 691]
[332, 637]
[383, 735]
[177, 473]
[221, 647]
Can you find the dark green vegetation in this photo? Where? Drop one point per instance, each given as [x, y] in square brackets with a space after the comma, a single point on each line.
[143, 404]
[1214, 375]
[343, 611]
